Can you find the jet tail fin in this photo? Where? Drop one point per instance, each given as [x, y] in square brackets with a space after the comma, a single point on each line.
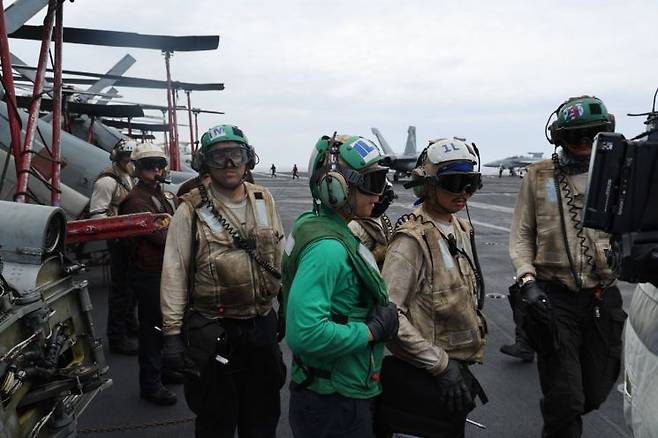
[410, 148]
[382, 141]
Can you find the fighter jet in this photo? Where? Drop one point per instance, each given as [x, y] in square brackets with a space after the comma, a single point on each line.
[516, 162]
[403, 163]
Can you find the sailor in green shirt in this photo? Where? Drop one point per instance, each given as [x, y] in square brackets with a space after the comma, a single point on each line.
[337, 308]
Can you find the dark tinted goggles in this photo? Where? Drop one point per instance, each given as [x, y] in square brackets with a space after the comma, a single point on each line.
[575, 136]
[459, 182]
[374, 182]
[152, 163]
[220, 158]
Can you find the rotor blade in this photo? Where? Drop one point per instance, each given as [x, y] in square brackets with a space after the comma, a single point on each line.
[147, 127]
[127, 81]
[118, 70]
[137, 136]
[198, 110]
[19, 12]
[111, 38]
[87, 108]
[111, 94]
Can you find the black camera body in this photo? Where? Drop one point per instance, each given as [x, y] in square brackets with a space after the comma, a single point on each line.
[622, 199]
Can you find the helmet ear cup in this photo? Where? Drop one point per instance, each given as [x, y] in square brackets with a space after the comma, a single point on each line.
[333, 190]
[553, 134]
[113, 155]
[611, 120]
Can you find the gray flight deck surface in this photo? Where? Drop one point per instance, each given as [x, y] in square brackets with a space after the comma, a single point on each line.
[512, 386]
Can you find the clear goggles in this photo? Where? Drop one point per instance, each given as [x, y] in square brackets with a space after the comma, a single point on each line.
[220, 158]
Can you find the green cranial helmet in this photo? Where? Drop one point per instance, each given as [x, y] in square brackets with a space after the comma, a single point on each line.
[222, 133]
[582, 112]
[338, 164]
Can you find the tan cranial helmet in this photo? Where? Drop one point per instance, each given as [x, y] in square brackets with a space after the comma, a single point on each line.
[442, 154]
[147, 150]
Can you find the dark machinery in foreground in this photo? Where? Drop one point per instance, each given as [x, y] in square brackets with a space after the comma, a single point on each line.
[51, 361]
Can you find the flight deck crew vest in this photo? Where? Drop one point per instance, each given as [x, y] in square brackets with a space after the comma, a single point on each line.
[350, 375]
[551, 260]
[123, 187]
[445, 310]
[227, 281]
[374, 233]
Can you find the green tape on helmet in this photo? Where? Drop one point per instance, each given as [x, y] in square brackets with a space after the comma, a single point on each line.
[222, 133]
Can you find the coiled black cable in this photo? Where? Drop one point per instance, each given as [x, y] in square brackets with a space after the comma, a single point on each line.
[562, 188]
[248, 245]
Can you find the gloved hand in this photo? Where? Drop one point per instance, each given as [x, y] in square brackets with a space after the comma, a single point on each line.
[173, 353]
[383, 322]
[537, 301]
[454, 393]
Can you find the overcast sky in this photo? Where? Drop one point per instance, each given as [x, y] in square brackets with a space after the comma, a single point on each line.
[296, 69]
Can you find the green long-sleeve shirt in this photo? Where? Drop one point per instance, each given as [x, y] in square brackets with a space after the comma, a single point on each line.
[326, 283]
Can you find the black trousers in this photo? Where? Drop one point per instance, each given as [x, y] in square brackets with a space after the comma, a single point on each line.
[578, 374]
[244, 393]
[410, 403]
[313, 415]
[121, 299]
[147, 288]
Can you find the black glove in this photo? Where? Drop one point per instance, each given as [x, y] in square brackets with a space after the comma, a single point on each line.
[383, 322]
[537, 301]
[454, 393]
[173, 353]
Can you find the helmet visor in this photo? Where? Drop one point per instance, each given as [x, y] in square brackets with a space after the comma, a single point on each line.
[220, 158]
[459, 182]
[373, 182]
[152, 163]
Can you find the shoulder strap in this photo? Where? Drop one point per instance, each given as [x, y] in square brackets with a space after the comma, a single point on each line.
[115, 177]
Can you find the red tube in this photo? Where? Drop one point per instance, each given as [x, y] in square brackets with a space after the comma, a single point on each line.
[8, 76]
[57, 108]
[24, 160]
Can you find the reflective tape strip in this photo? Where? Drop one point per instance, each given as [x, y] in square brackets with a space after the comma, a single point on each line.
[368, 257]
[290, 244]
[209, 219]
[261, 213]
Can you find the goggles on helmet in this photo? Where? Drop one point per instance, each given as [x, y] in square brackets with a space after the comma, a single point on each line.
[458, 182]
[152, 163]
[373, 182]
[220, 158]
[576, 136]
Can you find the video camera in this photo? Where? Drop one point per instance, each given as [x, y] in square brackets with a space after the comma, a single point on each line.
[622, 199]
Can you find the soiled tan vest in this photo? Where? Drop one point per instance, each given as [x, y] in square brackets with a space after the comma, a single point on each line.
[374, 234]
[228, 282]
[445, 310]
[551, 260]
[120, 191]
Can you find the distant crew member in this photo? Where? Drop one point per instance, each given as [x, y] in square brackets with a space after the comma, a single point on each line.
[295, 172]
[500, 171]
[434, 278]
[145, 269]
[376, 230]
[273, 170]
[574, 316]
[337, 308]
[220, 276]
[110, 189]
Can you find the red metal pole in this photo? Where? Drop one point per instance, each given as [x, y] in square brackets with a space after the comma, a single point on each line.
[173, 144]
[174, 112]
[10, 90]
[196, 132]
[189, 116]
[24, 160]
[57, 107]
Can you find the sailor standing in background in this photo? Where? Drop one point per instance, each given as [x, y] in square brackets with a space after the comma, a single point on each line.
[110, 189]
